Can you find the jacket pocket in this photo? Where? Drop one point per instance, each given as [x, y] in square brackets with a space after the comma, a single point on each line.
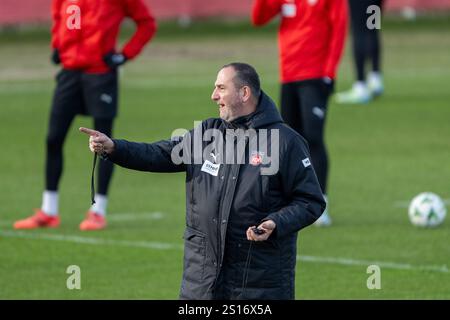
[194, 254]
[265, 268]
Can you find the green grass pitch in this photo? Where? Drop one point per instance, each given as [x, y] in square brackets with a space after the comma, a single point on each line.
[381, 155]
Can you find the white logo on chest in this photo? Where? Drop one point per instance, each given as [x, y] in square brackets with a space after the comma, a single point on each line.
[211, 168]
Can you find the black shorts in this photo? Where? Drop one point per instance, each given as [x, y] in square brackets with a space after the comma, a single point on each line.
[304, 107]
[77, 92]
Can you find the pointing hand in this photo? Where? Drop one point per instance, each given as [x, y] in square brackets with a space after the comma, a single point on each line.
[98, 142]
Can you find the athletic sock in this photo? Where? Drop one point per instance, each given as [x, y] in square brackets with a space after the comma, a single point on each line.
[50, 202]
[101, 202]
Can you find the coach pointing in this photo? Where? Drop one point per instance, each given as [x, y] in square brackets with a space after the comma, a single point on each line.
[241, 225]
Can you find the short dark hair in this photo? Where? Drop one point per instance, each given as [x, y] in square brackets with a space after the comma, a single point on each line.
[246, 75]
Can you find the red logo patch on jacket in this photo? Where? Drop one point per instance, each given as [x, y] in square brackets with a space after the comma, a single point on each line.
[256, 158]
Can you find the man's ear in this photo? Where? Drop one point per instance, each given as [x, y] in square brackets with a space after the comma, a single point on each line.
[245, 93]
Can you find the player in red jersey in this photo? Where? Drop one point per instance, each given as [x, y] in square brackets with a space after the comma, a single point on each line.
[311, 40]
[84, 36]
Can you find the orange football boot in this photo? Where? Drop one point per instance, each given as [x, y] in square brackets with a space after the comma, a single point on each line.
[93, 221]
[39, 220]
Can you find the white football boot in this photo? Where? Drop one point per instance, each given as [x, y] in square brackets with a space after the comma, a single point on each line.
[358, 94]
[375, 84]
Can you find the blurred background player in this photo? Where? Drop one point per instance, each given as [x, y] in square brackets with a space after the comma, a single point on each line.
[311, 39]
[366, 48]
[84, 36]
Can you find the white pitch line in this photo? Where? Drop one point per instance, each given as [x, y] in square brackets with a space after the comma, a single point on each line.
[135, 216]
[93, 241]
[405, 204]
[366, 263]
[167, 246]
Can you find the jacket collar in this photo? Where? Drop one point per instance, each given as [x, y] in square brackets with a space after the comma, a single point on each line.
[266, 113]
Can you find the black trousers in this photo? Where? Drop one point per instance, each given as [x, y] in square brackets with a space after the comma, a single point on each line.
[304, 109]
[79, 93]
[366, 42]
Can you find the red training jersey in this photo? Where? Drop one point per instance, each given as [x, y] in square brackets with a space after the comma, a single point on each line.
[85, 30]
[311, 35]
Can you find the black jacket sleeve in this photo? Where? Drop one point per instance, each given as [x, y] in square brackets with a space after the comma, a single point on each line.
[153, 157]
[300, 187]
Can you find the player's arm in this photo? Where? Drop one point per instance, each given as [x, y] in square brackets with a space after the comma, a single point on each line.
[145, 27]
[338, 15]
[56, 18]
[264, 10]
[153, 157]
[306, 202]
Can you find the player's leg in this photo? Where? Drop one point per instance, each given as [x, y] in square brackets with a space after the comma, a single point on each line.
[101, 92]
[358, 27]
[313, 115]
[374, 78]
[359, 93]
[314, 105]
[65, 105]
[290, 106]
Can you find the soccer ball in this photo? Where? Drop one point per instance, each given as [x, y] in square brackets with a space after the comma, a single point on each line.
[427, 210]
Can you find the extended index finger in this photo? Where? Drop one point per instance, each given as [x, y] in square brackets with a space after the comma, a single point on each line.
[90, 132]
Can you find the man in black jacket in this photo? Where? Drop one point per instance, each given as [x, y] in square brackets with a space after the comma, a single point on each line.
[244, 207]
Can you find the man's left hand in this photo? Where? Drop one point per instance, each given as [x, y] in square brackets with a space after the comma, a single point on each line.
[267, 227]
[114, 60]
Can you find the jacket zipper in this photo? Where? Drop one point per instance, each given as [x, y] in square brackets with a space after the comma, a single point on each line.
[219, 222]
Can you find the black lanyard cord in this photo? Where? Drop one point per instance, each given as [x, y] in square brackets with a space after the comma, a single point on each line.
[93, 179]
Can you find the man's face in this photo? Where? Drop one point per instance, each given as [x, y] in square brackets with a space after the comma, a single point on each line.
[226, 95]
